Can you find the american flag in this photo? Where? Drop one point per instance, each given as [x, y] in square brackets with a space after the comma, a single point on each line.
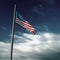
[25, 24]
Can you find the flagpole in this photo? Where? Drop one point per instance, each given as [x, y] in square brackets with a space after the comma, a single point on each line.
[12, 36]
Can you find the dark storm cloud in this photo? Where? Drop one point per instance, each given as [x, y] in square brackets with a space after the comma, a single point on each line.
[39, 10]
[42, 46]
[51, 2]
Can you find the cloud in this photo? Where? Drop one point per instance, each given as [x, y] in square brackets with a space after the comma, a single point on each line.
[34, 47]
[43, 28]
[4, 28]
[39, 10]
[50, 1]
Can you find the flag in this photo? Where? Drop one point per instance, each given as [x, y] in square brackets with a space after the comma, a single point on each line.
[25, 24]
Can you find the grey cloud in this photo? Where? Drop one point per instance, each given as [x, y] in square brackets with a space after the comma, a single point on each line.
[42, 46]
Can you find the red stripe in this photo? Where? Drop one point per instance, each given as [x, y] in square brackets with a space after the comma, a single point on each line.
[25, 25]
[19, 22]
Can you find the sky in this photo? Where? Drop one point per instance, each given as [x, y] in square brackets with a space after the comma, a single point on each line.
[44, 16]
